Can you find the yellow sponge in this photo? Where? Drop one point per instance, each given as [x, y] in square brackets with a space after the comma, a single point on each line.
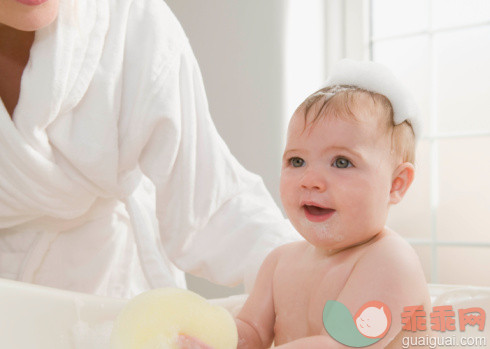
[155, 319]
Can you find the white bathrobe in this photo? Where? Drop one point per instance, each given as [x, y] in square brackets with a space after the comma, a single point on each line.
[113, 178]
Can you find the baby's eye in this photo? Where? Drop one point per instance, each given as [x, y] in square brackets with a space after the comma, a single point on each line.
[297, 162]
[342, 163]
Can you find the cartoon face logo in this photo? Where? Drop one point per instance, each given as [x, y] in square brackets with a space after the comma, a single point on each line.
[372, 320]
[371, 323]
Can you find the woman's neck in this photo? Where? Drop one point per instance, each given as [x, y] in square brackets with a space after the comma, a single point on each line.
[15, 46]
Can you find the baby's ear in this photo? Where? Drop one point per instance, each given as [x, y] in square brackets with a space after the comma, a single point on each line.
[402, 179]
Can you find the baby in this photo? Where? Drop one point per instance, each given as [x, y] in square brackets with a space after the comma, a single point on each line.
[349, 156]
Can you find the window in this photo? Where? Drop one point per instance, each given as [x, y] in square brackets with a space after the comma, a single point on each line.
[441, 50]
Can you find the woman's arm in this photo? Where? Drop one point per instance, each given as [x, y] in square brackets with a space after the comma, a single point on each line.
[216, 219]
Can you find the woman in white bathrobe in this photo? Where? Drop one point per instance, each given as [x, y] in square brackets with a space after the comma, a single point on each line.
[113, 178]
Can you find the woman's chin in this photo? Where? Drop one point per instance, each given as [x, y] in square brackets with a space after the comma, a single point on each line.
[37, 17]
[35, 24]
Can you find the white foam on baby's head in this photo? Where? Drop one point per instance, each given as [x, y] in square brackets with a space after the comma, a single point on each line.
[378, 78]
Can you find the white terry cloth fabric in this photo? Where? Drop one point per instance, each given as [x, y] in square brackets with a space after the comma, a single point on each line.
[113, 178]
[376, 77]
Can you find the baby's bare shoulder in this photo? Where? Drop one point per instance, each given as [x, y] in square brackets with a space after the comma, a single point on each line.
[391, 258]
[390, 246]
[388, 270]
[290, 249]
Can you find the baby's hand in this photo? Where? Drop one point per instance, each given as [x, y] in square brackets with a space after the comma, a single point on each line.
[188, 342]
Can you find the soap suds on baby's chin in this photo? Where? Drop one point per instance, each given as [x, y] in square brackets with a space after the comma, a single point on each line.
[323, 231]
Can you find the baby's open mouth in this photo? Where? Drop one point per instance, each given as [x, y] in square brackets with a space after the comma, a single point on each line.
[317, 213]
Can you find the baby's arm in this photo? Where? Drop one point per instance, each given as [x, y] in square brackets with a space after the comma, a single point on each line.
[390, 272]
[255, 322]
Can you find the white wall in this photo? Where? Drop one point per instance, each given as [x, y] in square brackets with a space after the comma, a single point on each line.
[239, 47]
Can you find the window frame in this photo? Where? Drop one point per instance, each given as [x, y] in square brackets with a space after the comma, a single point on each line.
[434, 135]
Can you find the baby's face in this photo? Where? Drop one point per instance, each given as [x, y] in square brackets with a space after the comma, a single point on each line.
[336, 178]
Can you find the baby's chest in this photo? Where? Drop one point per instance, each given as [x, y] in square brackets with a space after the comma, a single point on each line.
[300, 294]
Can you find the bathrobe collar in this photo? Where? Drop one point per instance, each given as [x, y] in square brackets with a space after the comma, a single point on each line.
[62, 62]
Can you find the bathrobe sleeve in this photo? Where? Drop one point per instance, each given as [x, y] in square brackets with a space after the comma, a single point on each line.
[216, 220]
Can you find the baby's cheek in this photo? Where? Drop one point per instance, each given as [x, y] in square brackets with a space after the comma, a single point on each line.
[288, 195]
[283, 188]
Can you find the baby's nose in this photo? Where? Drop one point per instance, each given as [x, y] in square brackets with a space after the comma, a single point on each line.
[313, 180]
